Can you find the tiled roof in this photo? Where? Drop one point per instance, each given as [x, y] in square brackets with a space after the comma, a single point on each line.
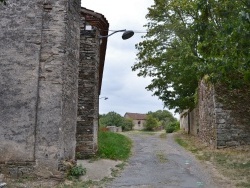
[136, 116]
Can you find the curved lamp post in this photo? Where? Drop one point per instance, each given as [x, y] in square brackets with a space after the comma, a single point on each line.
[126, 34]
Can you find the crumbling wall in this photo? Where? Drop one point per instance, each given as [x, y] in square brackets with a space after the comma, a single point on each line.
[39, 55]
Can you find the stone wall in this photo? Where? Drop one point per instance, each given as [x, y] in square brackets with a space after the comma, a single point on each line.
[194, 130]
[189, 121]
[223, 116]
[138, 124]
[207, 115]
[88, 91]
[232, 116]
[184, 121]
[39, 55]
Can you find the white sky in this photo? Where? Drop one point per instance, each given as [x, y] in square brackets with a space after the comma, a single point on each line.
[125, 90]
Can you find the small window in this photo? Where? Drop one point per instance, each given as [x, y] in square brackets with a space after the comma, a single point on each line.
[139, 122]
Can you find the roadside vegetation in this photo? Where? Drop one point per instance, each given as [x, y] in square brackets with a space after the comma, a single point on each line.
[114, 119]
[172, 127]
[234, 164]
[113, 146]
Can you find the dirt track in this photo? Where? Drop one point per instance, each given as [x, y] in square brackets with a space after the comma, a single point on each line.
[161, 163]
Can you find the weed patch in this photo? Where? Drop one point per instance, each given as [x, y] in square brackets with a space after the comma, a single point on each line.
[76, 172]
[181, 142]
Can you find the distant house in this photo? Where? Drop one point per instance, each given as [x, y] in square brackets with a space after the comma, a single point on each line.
[138, 120]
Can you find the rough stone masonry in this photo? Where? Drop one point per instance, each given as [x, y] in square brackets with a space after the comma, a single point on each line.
[39, 55]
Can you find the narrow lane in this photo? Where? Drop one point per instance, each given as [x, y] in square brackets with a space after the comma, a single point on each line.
[161, 163]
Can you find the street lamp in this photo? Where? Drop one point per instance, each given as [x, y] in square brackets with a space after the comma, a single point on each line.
[126, 34]
[105, 98]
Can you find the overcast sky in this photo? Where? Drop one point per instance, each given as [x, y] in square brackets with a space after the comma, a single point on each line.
[125, 90]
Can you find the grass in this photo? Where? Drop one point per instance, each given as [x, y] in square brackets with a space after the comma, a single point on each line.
[232, 163]
[113, 146]
[181, 142]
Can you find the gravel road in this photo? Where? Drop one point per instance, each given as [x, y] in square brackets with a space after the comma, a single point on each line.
[161, 163]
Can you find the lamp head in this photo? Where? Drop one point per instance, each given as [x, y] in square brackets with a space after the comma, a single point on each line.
[127, 34]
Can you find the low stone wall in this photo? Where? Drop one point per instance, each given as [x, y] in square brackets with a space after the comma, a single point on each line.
[114, 129]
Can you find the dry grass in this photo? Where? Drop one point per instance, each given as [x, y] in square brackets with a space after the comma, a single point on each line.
[232, 163]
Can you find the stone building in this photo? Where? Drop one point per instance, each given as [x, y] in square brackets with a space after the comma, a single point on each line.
[41, 59]
[92, 56]
[138, 120]
[221, 118]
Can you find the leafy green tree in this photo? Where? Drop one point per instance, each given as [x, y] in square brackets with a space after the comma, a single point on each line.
[163, 116]
[173, 126]
[187, 40]
[127, 124]
[111, 119]
[151, 123]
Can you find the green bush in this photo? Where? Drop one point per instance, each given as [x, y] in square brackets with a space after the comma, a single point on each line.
[127, 124]
[151, 123]
[172, 127]
[77, 171]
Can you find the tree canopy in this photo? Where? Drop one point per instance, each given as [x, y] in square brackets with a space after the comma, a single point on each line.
[163, 116]
[111, 119]
[189, 39]
[114, 119]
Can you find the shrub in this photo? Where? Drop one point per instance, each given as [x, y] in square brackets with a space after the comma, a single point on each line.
[127, 124]
[171, 127]
[77, 171]
[151, 123]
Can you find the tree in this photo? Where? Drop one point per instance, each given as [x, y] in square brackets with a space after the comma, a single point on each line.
[163, 116]
[151, 123]
[115, 119]
[127, 124]
[111, 119]
[187, 40]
